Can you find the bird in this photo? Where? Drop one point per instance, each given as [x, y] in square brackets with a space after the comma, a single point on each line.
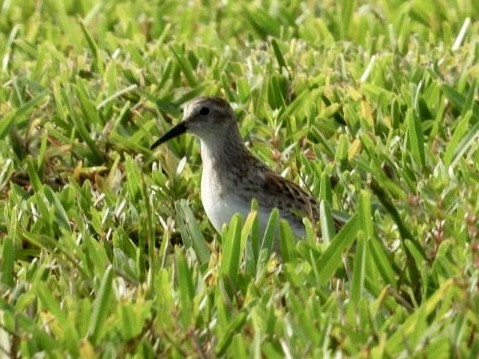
[232, 176]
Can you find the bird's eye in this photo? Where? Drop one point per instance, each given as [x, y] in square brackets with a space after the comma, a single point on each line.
[204, 111]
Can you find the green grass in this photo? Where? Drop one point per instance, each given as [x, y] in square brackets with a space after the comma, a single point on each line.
[373, 106]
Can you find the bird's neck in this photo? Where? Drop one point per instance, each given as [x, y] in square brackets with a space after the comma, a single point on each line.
[222, 152]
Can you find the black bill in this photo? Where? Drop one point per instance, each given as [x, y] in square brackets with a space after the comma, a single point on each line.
[179, 129]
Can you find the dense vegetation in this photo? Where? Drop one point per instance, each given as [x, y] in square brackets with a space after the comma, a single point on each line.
[105, 249]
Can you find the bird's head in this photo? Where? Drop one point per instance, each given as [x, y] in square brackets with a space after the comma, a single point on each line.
[206, 117]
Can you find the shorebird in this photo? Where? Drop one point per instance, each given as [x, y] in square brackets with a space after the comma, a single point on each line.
[232, 177]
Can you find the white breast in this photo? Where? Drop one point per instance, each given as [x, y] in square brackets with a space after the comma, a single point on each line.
[221, 204]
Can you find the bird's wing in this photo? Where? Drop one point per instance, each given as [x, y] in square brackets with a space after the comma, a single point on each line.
[298, 203]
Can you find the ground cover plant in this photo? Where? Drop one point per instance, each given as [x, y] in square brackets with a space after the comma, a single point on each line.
[105, 250]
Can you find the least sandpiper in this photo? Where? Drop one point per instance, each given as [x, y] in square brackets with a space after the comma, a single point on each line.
[232, 177]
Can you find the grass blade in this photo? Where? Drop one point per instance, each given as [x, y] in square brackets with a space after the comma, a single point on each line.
[101, 306]
[7, 263]
[190, 232]
[232, 249]
[332, 257]
[20, 112]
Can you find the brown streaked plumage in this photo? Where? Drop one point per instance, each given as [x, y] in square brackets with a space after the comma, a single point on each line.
[232, 176]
